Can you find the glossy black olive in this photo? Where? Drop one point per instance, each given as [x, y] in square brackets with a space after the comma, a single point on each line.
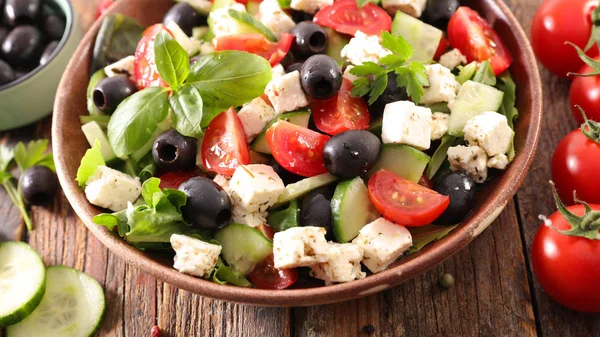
[296, 66]
[38, 185]
[7, 73]
[309, 39]
[315, 209]
[391, 94]
[185, 16]
[111, 91]
[18, 12]
[438, 12]
[195, 59]
[461, 190]
[300, 16]
[351, 153]
[3, 33]
[285, 175]
[173, 151]
[208, 205]
[321, 76]
[45, 58]
[22, 46]
[54, 26]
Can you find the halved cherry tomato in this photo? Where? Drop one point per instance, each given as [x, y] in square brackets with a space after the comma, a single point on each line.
[103, 6]
[256, 43]
[265, 276]
[404, 202]
[477, 40]
[267, 231]
[442, 48]
[341, 112]
[425, 182]
[145, 71]
[175, 179]
[297, 149]
[224, 147]
[345, 17]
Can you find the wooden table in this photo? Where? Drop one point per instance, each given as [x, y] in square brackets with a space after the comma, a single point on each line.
[495, 293]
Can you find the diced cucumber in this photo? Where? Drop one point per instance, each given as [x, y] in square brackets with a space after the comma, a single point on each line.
[73, 306]
[286, 218]
[351, 209]
[96, 77]
[252, 7]
[235, 26]
[297, 190]
[102, 120]
[424, 38]
[243, 247]
[22, 282]
[217, 4]
[300, 118]
[473, 99]
[439, 107]
[199, 33]
[335, 43]
[403, 160]
[376, 127]
[93, 131]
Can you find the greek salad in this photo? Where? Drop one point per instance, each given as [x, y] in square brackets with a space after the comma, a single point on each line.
[270, 143]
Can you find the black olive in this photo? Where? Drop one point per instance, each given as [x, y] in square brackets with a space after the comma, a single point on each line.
[22, 46]
[7, 74]
[38, 185]
[195, 59]
[285, 175]
[296, 66]
[185, 16]
[208, 205]
[392, 93]
[315, 209]
[17, 12]
[173, 151]
[45, 58]
[351, 153]
[54, 26]
[321, 76]
[309, 39]
[3, 33]
[438, 12]
[299, 16]
[461, 190]
[111, 91]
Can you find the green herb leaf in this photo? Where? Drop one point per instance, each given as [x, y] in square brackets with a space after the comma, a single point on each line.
[224, 274]
[367, 68]
[6, 157]
[485, 74]
[284, 3]
[361, 87]
[89, 163]
[187, 111]
[117, 38]
[34, 154]
[110, 221]
[245, 17]
[438, 158]
[413, 78]
[397, 45]
[150, 187]
[466, 73]
[379, 86]
[422, 236]
[172, 61]
[285, 218]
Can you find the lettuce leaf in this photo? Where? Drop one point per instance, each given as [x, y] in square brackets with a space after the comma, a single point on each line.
[89, 163]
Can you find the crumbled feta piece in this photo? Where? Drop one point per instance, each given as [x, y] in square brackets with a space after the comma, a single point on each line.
[364, 48]
[406, 123]
[310, 6]
[349, 75]
[490, 131]
[272, 16]
[277, 71]
[411, 7]
[112, 189]
[223, 181]
[191, 46]
[300, 247]
[343, 264]
[439, 125]
[253, 219]
[123, 67]
[443, 85]
[255, 116]
[470, 159]
[222, 23]
[286, 94]
[383, 242]
[194, 257]
[499, 161]
[453, 59]
[255, 187]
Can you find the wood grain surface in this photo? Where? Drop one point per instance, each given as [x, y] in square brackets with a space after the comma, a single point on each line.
[495, 292]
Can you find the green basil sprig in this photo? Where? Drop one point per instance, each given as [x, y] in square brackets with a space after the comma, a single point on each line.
[172, 61]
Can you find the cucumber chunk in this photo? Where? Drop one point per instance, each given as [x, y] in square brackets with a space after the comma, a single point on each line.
[403, 160]
[300, 118]
[93, 131]
[73, 306]
[297, 190]
[335, 43]
[473, 99]
[351, 209]
[376, 127]
[424, 38]
[22, 282]
[243, 247]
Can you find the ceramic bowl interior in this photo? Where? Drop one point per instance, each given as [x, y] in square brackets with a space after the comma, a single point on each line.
[70, 145]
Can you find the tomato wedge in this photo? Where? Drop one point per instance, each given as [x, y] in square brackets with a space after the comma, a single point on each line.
[265, 276]
[345, 17]
[442, 48]
[404, 202]
[175, 178]
[224, 147]
[256, 43]
[297, 149]
[341, 112]
[477, 40]
[145, 70]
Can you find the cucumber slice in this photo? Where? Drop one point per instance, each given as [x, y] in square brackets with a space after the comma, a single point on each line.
[199, 33]
[96, 77]
[93, 131]
[376, 127]
[22, 282]
[300, 118]
[243, 247]
[73, 306]
[351, 209]
[297, 190]
[473, 99]
[405, 161]
[335, 43]
[424, 38]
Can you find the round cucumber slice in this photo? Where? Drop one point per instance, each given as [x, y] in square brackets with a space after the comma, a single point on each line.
[351, 209]
[73, 306]
[22, 282]
[243, 246]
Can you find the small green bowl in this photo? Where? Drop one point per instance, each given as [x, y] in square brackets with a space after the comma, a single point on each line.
[31, 97]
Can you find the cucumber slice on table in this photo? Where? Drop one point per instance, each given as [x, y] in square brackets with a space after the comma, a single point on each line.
[22, 282]
[243, 247]
[423, 37]
[300, 118]
[473, 99]
[403, 160]
[73, 306]
[298, 189]
[351, 209]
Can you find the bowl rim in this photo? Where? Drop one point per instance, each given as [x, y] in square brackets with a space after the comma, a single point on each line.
[408, 269]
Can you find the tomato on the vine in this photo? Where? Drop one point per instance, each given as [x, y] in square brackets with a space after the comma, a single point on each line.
[585, 92]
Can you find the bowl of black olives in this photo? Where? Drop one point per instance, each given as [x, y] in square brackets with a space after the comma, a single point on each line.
[37, 39]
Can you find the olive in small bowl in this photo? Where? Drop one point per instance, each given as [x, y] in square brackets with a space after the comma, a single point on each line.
[321, 77]
[208, 205]
[111, 91]
[462, 191]
[309, 39]
[173, 151]
[19, 12]
[352, 153]
[38, 185]
[22, 45]
[7, 74]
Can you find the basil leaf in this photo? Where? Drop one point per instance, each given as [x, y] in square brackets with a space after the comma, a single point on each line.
[89, 163]
[117, 38]
[147, 168]
[187, 111]
[172, 61]
[230, 78]
[6, 157]
[135, 120]
[245, 17]
[33, 154]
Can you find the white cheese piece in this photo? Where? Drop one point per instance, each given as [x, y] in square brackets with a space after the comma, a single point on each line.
[310, 6]
[191, 46]
[490, 131]
[255, 116]
[343, 264]
[470, 159]
[112, 189]
[499, 161]
[194, 257]
[443, 85]
[277, 71]
[364, 48]
[255, 187]
[222, 23]
[349, 75]
[272, 16]
[453, 59]
[123, 67]
[439, 125]
[411, 7]
[300, 247]
[206, 48]
[253, 219]
[286, 94]
[406, 123]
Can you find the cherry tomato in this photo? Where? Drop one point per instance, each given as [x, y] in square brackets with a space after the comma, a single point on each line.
[257, 44]
[145, 71]
[404, 202]
[297, 149]
[224, 147]
[341, 112]
[174, 179]
[558, 21]
[103, 6]
[442, 48]
[585, 92]
[477, 40]
[425, 182]
[265, 276]
[345, 17]
[267, 231]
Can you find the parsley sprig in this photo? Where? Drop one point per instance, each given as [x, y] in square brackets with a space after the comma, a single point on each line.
[374, 77]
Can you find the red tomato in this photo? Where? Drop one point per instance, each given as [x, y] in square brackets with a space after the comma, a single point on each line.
[404, 202]
[267, 231]
[442, 48]
[145, 71]
[265, 276]
[345, 17]
[425, 182]
[585, 92]
[558, 21]
[175, 179]
[297, 149]
[224, 147]
[477, 40]
[256, 43]
[341, 112]
[103, 6]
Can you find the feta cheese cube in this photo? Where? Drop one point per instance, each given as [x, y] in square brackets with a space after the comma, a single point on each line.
[272, 16]
[499, 161]
[411, 7]
[255, 116]
[453, 59]
[443, 85]
[470, 159]
[489, 131]
[194, 257]
[222, 23]
[364, 48]
[253, 219]
[383, 242]
[286, 94]
[406, 123]
[310, 6]
[343, 264]
[349, 75]
[123, 67]
[439, 125]
[278, 71]
[255, 187]
[190, 45]
[112, 189]
[300, 247]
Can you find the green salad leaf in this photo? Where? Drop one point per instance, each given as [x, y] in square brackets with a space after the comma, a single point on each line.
[508, 107]
[224, 274]
[245, 17]
[146, 168]
[89, 163]
[422, 236]
[285, 3]
[35, 153]
[187, 108]
[172, 61]
[438, 158]
[466, 73]
[285, 218]
[117, 38]
[485, 74]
